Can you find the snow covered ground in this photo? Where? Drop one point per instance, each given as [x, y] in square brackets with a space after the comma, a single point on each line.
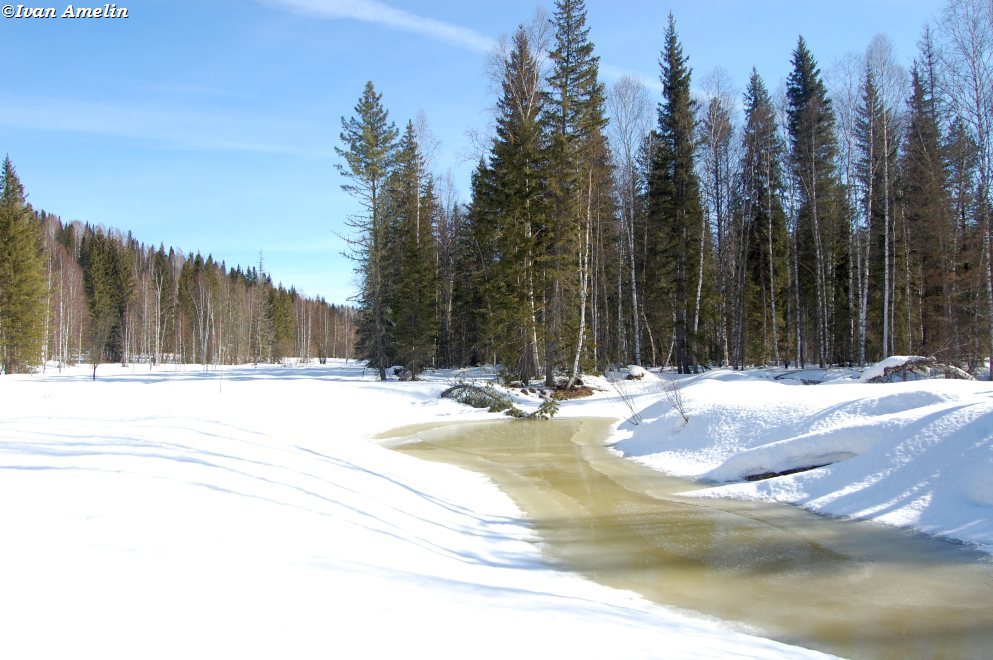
[243, 512]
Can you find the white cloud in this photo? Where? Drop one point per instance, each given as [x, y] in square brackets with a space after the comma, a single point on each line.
[374, 11]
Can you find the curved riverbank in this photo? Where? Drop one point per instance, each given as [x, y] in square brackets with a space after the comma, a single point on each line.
[840, 586]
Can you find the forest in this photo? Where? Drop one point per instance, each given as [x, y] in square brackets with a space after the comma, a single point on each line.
[834, 220]
[73, 293]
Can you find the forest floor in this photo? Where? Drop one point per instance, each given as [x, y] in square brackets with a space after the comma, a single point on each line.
[248, 512]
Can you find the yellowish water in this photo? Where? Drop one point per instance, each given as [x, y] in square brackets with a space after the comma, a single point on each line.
[849, 588]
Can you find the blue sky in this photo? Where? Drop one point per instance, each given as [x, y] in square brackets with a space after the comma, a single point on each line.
[211, 125]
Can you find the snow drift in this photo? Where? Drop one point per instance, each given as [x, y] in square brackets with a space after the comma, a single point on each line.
[916, 454]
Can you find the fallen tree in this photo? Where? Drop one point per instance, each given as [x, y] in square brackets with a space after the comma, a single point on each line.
[489, 398]
[911, 367]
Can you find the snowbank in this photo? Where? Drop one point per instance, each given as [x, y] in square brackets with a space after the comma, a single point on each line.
[243, 513]
[916, 454]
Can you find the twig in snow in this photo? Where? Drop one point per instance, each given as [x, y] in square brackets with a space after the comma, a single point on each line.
[674, 396]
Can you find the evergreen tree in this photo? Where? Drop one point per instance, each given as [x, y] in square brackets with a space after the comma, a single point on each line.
[675, 211]
[509, 211]
[821, 235]
[22, 278]
[926, 207]
[472, 261]
[578, 104]
[578, 183]
[282, 318]
[763, 249]
[370, 145]
[413, 275]
[106, 295]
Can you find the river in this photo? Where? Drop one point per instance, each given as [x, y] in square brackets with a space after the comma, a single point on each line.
[850, 588]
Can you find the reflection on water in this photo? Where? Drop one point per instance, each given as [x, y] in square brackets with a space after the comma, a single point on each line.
[849, 588]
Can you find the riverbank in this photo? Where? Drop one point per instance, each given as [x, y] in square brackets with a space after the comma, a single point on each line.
[243, 512]
[917, 455]
[854, 589]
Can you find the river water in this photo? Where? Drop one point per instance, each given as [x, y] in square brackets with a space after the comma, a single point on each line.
[849, 588]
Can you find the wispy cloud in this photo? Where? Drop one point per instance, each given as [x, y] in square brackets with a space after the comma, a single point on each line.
[380, 13]
[173, 128]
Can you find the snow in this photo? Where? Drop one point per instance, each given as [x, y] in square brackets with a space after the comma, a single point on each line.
[878, 369]
[917, 454]
[247, 512]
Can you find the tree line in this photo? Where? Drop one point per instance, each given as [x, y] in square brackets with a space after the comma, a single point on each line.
[834, 221]
[73, 292]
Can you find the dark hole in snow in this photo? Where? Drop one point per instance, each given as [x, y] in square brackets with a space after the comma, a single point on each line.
[769, 475]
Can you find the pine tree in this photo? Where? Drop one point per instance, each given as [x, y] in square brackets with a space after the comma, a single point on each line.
[22, 278]
[675, 211]
[370, 144]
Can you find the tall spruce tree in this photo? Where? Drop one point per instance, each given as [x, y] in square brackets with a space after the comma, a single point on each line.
[369, 152]
[22, 278]
[926, 208]
[473, 259]
[578, 181]
[412, 263]
[763, 249]
[509, 207]
[821, 234]
[675, 211]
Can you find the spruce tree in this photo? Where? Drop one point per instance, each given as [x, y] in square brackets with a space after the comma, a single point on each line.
[926, 207]
[764, 249]
[106, 294]
[821, 234]
[579, 181]
[509, 209]
[369, 140]
[22, 278]
[412, 268]
[675, 211]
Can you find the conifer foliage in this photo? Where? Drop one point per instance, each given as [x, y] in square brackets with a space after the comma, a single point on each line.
[675, 217]
[394, 245]
[370, 150]
[22, 278]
